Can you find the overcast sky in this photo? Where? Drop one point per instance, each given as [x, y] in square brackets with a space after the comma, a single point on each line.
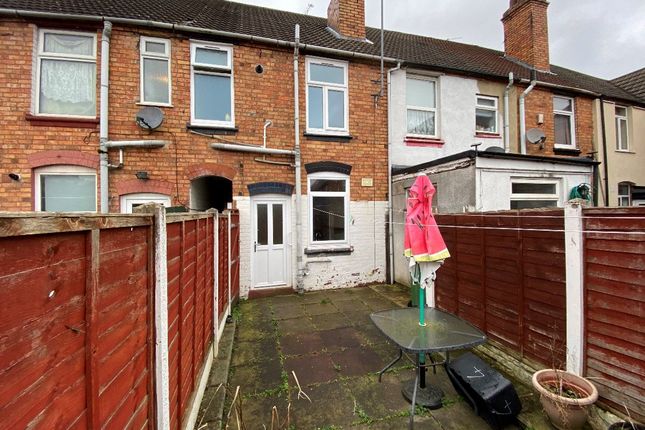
[604, 38]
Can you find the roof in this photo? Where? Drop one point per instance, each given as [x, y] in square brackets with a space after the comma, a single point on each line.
[472, 155]
[243, 19]
[633, 82]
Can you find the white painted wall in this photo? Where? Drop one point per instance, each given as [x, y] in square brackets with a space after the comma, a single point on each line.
[456, 123]
[366, 264]
[493, 178]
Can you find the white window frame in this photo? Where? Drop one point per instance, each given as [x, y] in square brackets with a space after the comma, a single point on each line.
[311, 194]
[154, 56]
[62, 170]
[620, 145]
[556, 196]
[127, 200]
[624, 197]
[326, 86]
[572, 119]
[493, 109]
[209, 69]
[435, 109]
[42, 55]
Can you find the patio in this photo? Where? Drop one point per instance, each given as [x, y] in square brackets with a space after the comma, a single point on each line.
[329, 341]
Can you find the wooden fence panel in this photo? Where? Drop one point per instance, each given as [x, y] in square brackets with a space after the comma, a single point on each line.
[614, 286]
[223, 272]
[235, 255]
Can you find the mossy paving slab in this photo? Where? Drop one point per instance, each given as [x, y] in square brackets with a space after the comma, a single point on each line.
[401, 423]
[458, 416]
[294, 326]
[331, 405]
[378, 399]
[357, 361]
[311, 369]
[330, 321]
[288, 311]
[314, 309]
[253, 351]
[256, 378]
[337, 338]
[350, 306]
[256, 411]
[246, 332]
[302, 344]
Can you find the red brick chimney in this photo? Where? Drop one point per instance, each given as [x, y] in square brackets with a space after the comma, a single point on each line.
[347, 17]
[526, 32]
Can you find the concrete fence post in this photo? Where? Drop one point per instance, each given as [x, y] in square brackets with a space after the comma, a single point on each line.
[162, 373]
[574, 246]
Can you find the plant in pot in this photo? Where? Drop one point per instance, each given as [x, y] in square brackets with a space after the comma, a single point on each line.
[565, 397]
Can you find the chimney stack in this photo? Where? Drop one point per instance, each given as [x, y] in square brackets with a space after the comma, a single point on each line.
[347, 17]
[526, 32]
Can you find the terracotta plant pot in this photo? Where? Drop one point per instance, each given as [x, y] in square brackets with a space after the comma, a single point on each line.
[565, 412]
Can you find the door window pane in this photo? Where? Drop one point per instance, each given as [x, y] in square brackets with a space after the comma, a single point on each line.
[155, 80]
[262, 225]
[277, 224]
[327, 73]
[328, 185]
[315, 107]
[212, 97]
[336, 109]
[67, 193]
[328, 218]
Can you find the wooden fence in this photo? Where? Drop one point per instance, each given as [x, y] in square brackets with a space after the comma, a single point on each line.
[77, 317]
[507, 275]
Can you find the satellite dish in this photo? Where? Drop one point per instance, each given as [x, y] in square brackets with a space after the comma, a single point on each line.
[535, 136]
[495, 149]
[149, 118]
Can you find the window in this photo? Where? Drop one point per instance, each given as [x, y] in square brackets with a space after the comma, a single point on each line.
[66, 74]
[486, 114]
[624, 194]
[327, 98]
[421, 103]
[528, 194]
[65, 189]
[565, 135]
[130, 201]
[622, 141]
[212, 85]
[155, 71]
[329, 203]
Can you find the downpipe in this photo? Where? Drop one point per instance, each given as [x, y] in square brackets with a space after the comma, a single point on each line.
[507, 125]
[103, 116]
[523, 113]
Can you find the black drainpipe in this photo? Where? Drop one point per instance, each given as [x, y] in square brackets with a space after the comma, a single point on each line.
[604, 149]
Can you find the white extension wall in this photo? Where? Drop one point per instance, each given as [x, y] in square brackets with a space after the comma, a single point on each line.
[365, 264]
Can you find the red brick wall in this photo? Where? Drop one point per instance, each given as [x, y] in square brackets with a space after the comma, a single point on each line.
[347, 17]
[540, 101]
[526, 32]
[258, 97]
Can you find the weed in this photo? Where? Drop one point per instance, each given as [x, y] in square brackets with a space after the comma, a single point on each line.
[337, 367]
[236, 313]
[325, 301]
[363, 417]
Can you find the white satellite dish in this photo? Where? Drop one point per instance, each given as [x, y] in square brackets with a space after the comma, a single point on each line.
[535, 136]
[149, 118]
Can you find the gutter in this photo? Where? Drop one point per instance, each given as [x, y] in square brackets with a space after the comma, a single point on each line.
[19, 13]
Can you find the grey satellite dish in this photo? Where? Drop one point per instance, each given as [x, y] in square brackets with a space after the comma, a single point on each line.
[535, 136]
[496, 149]
[149, 118]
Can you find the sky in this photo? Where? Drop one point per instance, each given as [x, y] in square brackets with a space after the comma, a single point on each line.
[603, 38]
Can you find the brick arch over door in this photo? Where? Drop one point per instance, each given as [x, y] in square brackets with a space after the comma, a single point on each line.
[131, 186]
[210, 169]
[71, 158]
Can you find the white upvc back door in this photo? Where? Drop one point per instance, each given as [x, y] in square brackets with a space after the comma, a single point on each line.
[269, 251]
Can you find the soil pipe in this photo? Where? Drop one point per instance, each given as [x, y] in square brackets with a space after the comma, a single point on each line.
[298, 174]
[604, 149]
[523, 113]
[103, 116]
[507, 125]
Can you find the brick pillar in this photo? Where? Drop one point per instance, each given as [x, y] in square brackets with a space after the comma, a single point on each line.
[526, 32]
[347, 17]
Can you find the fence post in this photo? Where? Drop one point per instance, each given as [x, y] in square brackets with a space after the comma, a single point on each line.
[229, 262]
[573, 240]
[161, 319]
[216, 284]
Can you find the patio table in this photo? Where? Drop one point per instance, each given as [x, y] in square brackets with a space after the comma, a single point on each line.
[443, 332]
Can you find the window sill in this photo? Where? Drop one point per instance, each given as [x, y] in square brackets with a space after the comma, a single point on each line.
[329, 250]
[159, 105]
[566, 151]
[57, 121]
[209, 129]
[622, 151]
[484, 135]
[328, 137]
[423, 141]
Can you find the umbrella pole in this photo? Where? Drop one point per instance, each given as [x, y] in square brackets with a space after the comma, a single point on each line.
[422, 323]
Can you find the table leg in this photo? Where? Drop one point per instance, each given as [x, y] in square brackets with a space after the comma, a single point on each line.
[418, 392]
[390, 365]
[413, 403]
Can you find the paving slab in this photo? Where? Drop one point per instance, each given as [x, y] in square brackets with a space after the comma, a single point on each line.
[311, 369]
[330, 321]
[320, 308]
[302, 344]
[378, 400]
[294, 326]
[339, 338]
[260, 377]
[331, 405]
[249, 352]
[357, 361]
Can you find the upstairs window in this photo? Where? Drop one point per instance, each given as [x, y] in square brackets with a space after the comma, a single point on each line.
[327, 97]
[329, 208]
[624, 194]
[564, 122]
[66, 74]
[421, 100]
[155, 71]
[65, 189]
[212, 85]
[528, 194]
[622, 141]
[486, 115]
